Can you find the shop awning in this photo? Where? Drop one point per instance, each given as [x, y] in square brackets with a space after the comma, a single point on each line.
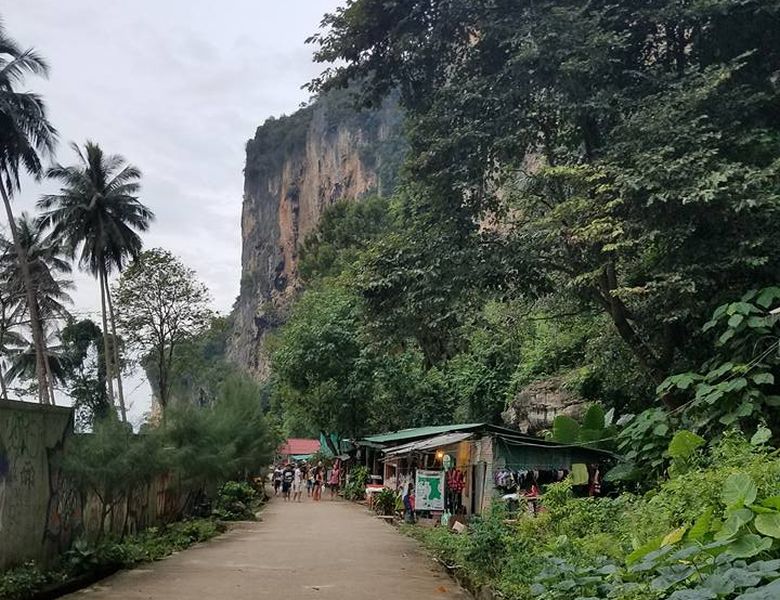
[429, 444]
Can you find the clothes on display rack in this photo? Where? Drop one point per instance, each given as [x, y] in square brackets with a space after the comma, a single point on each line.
[455, 484]
[511, 479]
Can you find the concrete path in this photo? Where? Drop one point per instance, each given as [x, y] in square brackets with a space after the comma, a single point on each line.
[326, 550]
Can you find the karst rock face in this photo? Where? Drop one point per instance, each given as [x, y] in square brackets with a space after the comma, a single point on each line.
[296, 167]
[535, 407]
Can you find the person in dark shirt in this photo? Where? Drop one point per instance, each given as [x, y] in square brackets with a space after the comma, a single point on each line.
[287, 480]
[319, 477]
[277, 480]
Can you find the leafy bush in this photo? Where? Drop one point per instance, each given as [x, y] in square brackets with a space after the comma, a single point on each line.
[356, 484]
[22, 582]
[711, 532]
[386, 502]
[235, 501]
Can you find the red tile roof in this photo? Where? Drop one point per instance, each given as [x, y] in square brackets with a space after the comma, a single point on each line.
[299, 446]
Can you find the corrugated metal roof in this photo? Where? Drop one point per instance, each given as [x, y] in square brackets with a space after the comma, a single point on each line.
[299, 446]
[429, 443]
[420, 432]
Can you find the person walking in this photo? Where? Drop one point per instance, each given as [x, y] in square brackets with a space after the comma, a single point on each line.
[288, 475]
[297, 484]
[319, 475]
[308, 479]
[408, 500]
[334, 480]
[277, 479]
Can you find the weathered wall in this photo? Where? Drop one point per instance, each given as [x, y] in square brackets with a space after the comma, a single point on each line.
[296, 167]
[39, 511]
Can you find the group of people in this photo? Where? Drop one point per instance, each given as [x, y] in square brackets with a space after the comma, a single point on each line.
[291, 479]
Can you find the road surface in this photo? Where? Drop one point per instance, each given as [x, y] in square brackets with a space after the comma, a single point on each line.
[326, 550]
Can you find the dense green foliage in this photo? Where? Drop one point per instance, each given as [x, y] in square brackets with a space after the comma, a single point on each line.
[585, 184]
[161, 304]
[235, 502]
[711, 533]
[590, 199]
[201, 447]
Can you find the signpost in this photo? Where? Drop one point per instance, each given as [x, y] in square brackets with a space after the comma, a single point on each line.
[429, 490]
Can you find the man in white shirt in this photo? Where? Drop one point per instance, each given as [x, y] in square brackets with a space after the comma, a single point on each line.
[297, 484]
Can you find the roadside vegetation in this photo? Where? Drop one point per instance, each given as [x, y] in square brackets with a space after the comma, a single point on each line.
[589, 202]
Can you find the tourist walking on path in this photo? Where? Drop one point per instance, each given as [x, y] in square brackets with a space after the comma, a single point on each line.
[319, 475]
[333, 481]
[287, 480]
[277, 480]
[297, 484]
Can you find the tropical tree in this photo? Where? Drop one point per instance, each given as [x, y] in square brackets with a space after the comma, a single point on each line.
[25, 137]
[10, 338]
[97, 214]
[85, 372]
[48, 269]
[162, 306]
[627, 150]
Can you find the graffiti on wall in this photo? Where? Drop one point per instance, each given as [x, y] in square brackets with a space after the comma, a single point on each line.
[17, 466]
[64, 518]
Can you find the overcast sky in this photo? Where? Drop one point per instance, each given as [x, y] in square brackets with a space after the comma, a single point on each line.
[177, 87]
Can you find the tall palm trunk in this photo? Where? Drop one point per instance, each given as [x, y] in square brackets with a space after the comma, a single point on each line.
[46, 361]
[5, 327]
[3, 387]
[35, 321]
[106, 352]
[115, 345]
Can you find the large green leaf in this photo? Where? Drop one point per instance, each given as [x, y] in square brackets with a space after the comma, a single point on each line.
[684, 443]
[734, 523]
[639, 553]
[594, 418]
[674, 536]
[767, 592]
[701, 527]
[749, 545]
[768, 296]
[761, 436]
[625, 471]
[565, 429]
[739, 490]
[768, 524]
[763, 378]
[772, 502]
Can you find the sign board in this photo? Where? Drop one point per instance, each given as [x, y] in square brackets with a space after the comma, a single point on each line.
[429, 490]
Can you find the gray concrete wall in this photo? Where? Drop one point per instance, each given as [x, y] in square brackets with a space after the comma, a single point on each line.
[40, 512]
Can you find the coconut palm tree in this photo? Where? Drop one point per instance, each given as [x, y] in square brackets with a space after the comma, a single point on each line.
[25, 136]
[10, 338]
[97, 214]
[48, 268]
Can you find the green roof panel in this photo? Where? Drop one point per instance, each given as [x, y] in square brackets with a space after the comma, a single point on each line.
[420, 432]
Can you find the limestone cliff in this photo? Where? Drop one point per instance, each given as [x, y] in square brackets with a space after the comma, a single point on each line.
[297, 166]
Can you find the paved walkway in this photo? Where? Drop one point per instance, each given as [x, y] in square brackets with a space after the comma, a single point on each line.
[326, 550]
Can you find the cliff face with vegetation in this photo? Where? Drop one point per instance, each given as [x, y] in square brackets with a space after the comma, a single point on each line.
[297, 166]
